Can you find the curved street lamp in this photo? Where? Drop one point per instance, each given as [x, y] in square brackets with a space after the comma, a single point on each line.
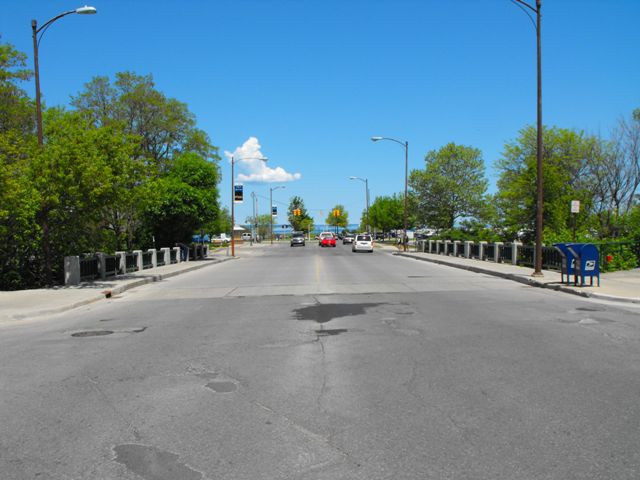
[233, 198]
[271, 212]
[405, 144]
[366, 195]
[539, 183]
[37, 34]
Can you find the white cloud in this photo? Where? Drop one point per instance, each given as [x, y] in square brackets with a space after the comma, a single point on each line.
[246, 158]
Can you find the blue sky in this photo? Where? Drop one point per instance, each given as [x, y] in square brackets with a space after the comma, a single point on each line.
[310, 81]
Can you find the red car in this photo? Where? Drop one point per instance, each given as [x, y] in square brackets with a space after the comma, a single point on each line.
[327, 239]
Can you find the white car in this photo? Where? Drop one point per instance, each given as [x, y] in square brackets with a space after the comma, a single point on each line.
[362, 243]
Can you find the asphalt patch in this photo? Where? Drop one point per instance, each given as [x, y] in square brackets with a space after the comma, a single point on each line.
[325, 312]
[92, 333]
[151, 463]
[222, 387]
[330, 332]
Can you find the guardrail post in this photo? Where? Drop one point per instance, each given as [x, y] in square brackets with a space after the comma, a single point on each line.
[154, 257]
[438, 243]
[430, 246]
[178, 256]
[481, 250]
[138, 254]
[102, 265]
[166, 254]
[496, 252]
[514, 252]
[467, 248]
[72, 270]
[456, 247]
[445, 248]
[122, 262]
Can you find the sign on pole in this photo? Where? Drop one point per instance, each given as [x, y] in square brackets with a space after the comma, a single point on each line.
[237, 194]
[575, 206]
[274, 211]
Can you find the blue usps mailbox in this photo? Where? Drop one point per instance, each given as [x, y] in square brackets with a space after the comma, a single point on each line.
[587, 261]
[568, 261]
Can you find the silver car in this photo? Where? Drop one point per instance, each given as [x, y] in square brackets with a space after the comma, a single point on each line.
[297, 238]
[362, 243]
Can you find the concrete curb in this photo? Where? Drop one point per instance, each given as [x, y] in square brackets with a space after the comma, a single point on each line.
[118, 289]
[520, 279]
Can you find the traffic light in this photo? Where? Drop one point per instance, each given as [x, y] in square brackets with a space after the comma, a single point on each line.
[297, 212]
[336, 213]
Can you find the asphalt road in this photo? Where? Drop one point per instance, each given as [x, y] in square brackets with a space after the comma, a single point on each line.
[310, 363]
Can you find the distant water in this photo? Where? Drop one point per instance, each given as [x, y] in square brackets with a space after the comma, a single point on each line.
[277, 229]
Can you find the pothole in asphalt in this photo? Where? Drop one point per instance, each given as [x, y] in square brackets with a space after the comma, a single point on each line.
[92, 333]
[222, 387]
[151, 463]
[325, 312]
[331, 332]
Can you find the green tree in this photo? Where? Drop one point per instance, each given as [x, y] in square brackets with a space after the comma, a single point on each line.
[339, 220]
[165, 126]
[386, 213]
[16, 109]
[451, 187]
[566, 159]
[19, 199]
[300, 222]
[183, 201]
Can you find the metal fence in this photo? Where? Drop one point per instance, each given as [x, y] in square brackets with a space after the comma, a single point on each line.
[89, 267]
[147, 260]
[131, 264]
[110, 265]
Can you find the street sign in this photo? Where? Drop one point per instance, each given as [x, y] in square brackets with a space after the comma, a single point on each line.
[575, 206]
[237, 194]
[274, 211]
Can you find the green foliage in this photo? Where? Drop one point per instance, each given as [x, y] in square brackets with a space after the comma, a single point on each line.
[452, 186]
[129, 164]
[183, 200]
[565, 160]
[165, 126]
[16, 109]
[618, 256]
[386, 213]
[300, 222]
[342, 220]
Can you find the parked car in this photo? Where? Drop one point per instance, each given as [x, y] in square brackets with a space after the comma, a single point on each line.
[246, 237]
[362, 243]
[297, 238]
[348, 238]
[327, 239]
[221, 239]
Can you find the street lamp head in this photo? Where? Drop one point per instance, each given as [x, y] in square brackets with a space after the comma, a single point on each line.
[86, 10]
[375, 139]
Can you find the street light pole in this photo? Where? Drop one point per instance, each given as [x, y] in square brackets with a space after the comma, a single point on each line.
[366, 197]
[540, 179]
[233, 199]
[86, 10]
[271, 211]
[405, 144]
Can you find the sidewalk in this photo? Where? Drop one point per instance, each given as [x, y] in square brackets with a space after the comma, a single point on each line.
[615, 286]
[23, 304]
